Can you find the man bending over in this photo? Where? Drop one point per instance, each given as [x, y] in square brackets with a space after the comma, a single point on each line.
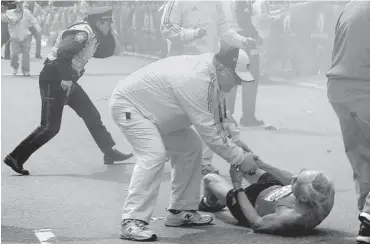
[275, 204]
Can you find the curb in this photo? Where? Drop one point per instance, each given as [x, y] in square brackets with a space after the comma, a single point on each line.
[139, 55]
[299, 83]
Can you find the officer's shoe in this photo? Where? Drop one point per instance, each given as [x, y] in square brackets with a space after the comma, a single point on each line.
[364, 233]
[176, 218]
[136, 230]
[204, 206]
[15, 165]
[115, 155]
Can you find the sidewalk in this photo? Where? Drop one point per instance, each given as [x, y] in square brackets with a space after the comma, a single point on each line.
[114, 68]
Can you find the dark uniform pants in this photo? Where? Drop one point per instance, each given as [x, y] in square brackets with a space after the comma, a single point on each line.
[249, 92]
[53, 100]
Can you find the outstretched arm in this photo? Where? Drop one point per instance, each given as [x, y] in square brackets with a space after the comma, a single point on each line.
[283, 176]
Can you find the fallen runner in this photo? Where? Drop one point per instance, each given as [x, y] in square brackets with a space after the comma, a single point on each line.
[268, 205]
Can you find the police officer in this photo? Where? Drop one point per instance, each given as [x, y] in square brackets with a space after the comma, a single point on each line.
[58, 87]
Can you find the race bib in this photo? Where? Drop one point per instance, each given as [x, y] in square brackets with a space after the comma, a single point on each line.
[279, 193]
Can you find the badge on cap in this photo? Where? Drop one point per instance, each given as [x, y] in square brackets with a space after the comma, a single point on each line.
[81, 37]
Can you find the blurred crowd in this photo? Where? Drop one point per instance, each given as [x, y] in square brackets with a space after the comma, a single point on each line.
[297, 36]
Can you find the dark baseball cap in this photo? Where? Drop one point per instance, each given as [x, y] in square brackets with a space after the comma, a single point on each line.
[237, 60]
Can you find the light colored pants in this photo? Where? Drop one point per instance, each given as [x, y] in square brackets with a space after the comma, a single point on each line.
[207, 154]
[151, 148]
[21, 47]
[351, 102]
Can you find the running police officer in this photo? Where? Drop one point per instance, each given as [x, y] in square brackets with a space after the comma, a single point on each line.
[58, 87]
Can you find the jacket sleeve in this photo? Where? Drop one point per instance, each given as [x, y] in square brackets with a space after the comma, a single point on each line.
[195, 99]
[73, 41]
[34, 22]
[233, 128]
[171, 23]
[228, 25]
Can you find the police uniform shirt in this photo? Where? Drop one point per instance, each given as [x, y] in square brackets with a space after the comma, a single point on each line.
[76, 45]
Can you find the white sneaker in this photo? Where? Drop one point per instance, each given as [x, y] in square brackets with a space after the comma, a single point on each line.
[136, 230]
[14, 71]
[187, 218]
[26, 74]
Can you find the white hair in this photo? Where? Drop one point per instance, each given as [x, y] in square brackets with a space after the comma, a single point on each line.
[320, 193]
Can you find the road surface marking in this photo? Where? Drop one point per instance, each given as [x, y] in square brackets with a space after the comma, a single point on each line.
[44, 235]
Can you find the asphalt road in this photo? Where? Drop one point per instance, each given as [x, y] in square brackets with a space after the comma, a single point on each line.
[72, 197]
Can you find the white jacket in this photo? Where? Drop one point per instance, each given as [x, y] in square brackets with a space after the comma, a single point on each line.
[180, 20]
[20, 30]
[180, 91]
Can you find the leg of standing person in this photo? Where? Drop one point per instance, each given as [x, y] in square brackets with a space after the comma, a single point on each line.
[16, 51]
[80, 102]
[207, 156]
[354, 119]
[249, 95]
[37, 37]
[231, 99]
[4, 36]
[52, 98]
[7, 50]
[150, 152]
[25, 49]
[185, 150]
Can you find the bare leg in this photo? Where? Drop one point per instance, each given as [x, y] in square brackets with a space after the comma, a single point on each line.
[216, 188]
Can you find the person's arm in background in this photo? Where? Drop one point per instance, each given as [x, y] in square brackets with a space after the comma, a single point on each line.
[171, 24]
[33, 21]
[228, 27]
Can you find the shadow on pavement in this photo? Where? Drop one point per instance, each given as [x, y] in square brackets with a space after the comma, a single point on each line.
[112, 174]
[15, 234]
[300, 132]
[66, 239]
[212, 234]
